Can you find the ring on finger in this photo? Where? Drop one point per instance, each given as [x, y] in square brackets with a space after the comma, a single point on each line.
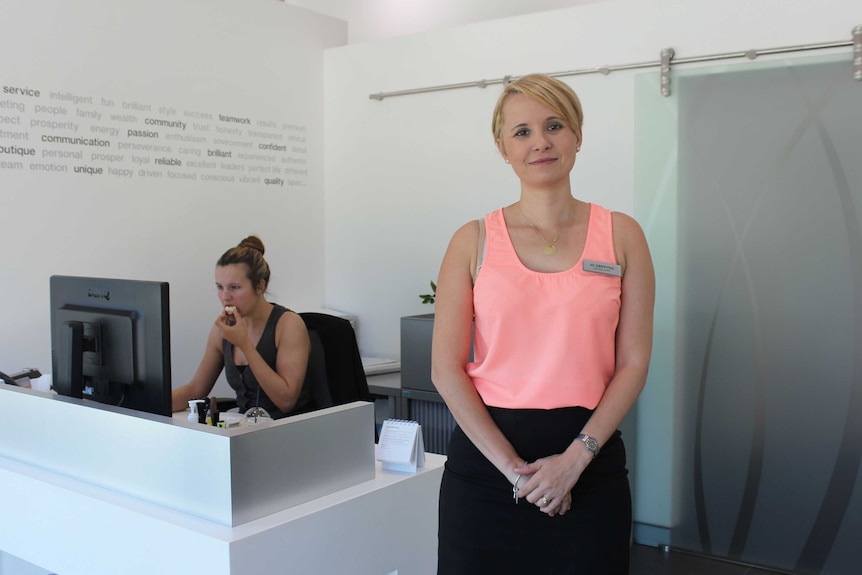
[544, 500]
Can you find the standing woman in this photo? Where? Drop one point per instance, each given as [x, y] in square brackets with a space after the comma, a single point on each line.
[561, 292]
[262, 346]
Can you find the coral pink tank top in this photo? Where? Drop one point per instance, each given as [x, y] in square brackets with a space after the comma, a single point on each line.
[545, 340]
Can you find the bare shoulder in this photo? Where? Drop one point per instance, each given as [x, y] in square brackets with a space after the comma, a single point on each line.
[629, 240]
[467, 236]
[626, 227]
[459, 263]
[461, 255]
[291, 334]
[291, 322]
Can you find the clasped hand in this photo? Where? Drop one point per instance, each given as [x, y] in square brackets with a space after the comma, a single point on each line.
[549, 482]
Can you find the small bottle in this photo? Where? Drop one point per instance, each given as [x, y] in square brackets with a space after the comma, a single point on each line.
[202, 411]
[212, 412]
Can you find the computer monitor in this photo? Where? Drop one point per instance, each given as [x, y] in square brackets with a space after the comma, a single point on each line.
[110, 341]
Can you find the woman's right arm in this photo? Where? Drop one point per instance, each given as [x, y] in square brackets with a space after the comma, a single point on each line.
[450, 351]
[205, 376]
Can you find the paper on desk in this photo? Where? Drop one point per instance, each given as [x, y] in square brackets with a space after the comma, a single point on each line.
[372, 365]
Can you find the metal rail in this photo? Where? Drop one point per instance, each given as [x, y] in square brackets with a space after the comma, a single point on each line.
[667, 59]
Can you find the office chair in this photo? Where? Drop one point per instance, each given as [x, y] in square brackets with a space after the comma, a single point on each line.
[342, 363]
[315, 372]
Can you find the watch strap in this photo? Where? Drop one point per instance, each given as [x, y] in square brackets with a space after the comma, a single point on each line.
[591, 443]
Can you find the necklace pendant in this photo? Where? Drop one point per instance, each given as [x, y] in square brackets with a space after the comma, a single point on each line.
[550, 250]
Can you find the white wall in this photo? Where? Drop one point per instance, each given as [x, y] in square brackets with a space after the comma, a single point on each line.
[403, 174]
[371, 20]
[257, 59]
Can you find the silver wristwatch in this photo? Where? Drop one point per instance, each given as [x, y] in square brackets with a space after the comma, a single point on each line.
[591, 443]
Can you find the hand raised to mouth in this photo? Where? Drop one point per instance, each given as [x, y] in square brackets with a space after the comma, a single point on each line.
[229, 310]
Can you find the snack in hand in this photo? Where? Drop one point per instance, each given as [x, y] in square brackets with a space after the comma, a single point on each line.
[229, 310]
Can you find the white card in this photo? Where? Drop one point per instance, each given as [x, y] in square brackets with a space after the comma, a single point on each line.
[401, 447]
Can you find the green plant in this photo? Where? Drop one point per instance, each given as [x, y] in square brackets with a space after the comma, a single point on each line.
[429, 297]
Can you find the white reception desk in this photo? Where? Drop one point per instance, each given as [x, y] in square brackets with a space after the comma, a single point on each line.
[172, 497]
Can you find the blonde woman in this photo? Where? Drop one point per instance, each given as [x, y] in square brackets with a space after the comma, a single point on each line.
[561, 292]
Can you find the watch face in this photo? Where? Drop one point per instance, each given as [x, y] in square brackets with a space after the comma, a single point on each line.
[591, 443]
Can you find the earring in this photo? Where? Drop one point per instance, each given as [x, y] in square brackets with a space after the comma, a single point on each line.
[507, 160]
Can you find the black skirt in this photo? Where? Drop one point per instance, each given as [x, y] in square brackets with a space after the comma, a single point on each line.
[482, 530]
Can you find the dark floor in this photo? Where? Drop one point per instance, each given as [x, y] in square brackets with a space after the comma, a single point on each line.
[652, 561]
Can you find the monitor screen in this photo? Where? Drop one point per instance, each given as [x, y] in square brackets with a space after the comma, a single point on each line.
[110, 341]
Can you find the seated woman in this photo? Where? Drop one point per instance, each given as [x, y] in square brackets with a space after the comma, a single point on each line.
[262, 346]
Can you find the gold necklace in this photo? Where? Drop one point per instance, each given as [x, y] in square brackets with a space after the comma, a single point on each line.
[550, 247]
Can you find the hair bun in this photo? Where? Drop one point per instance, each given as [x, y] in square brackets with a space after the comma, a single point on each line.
[254, 243]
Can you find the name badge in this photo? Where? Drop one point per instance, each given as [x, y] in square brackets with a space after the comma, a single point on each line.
[603, 268]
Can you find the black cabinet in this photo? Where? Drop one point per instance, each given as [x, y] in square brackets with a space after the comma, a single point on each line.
[416, 332]
[420, 400]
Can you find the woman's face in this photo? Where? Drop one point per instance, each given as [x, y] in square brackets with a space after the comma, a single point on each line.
[234, 287]
[535, 140]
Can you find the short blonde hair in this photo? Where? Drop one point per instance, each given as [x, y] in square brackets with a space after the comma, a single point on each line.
[549, 92]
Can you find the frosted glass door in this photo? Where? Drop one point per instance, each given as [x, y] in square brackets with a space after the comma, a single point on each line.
[765, 259]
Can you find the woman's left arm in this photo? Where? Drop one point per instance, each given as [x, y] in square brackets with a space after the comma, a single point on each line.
[634, 332]
[283, 384]
[555, 476]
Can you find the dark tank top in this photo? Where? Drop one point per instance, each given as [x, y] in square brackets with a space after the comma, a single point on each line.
[243, 382]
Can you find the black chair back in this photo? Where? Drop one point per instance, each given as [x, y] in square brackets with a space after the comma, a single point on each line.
[345, 375]
[315, 373]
